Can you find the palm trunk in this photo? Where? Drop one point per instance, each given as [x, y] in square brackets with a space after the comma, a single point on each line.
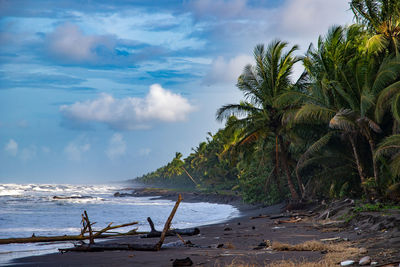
[292, 189]
[191, 178]
[359, 166]
[376, 172]
[276, 168]
[395, 127]
[301, 186]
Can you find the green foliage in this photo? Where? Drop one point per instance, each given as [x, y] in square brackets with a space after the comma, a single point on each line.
[369, 207]
[334, 132]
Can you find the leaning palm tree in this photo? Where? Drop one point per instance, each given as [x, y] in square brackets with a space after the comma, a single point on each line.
[176, 167]
[257, 116]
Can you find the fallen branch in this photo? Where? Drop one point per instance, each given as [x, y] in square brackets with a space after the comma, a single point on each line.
[174, 232]
[280, 216]
[89, 226]
[168, 223]
[292, 220]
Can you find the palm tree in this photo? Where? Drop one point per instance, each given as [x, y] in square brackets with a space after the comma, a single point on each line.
[261, 84]
[382, 18]
[344, 90]
[176, 167]
[390, 146]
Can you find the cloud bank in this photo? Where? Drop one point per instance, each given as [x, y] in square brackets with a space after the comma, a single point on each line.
[130, 113]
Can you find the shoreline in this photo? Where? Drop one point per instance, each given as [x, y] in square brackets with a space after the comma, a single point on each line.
[190, 197]
[235, 242]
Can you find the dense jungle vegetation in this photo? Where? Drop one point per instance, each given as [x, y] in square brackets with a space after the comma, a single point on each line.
[334, 132]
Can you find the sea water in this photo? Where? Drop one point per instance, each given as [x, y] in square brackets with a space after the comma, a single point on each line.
[55, 209]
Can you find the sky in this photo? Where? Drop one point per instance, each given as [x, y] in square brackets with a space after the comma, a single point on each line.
[95, 91]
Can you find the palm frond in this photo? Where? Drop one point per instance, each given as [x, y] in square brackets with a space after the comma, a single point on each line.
[389, 145]
[238, 110]
[344, 120]
[382, 104]
[377, 43]
[395, 164]
[315, 147]
[396, 107]
[309, 113]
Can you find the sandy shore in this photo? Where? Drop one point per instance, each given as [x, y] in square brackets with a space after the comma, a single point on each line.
[239, 242]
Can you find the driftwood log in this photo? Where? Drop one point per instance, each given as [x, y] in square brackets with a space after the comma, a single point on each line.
[117, 246]
[103, 233]
[113, 246]
[174, 232]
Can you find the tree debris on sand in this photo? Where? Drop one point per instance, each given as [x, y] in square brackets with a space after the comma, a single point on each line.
[92, 247]
[86, 228]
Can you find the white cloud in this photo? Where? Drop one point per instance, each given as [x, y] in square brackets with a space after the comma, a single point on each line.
[131, 113]
[74, 150]
[70, 44]
[313, 17]
[116, 146]
[11, 147]
[28, 153]
[226, 71]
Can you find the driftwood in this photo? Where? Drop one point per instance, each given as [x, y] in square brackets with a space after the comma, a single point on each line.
[113, 246]
[103, 233]
[280, 216]
[174, 232]
[336, 207]
[259, 217]
[168, 223]
[292, 220]
[116, 246]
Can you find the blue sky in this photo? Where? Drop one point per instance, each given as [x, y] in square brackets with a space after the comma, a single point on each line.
[98, 91]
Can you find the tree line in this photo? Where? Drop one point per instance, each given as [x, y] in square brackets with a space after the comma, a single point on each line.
[333, 132]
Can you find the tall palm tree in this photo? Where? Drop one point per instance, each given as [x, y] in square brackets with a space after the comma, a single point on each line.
[344, 91]
[261, 84]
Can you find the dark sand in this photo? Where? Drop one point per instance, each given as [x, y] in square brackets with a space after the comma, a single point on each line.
[236, 240]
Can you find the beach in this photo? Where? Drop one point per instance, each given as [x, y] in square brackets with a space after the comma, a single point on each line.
[248, 240]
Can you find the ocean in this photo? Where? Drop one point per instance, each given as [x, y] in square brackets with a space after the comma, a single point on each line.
[55, 209]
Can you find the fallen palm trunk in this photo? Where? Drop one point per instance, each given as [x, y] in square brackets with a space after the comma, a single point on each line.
[174, 232]
[116, 246]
